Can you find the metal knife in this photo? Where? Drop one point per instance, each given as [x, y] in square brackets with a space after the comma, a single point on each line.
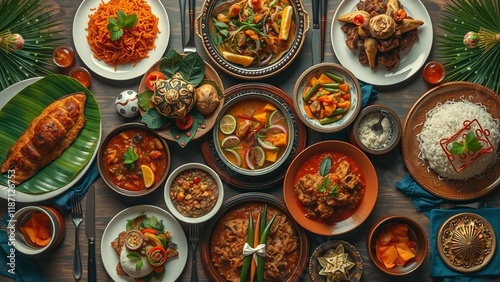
[316, 34]
[90, 231]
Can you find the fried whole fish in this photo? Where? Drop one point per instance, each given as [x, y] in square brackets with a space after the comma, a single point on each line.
[46, 137]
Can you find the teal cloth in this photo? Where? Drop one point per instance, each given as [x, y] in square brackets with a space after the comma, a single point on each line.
[440, 270]
[368, 93]
[63, 203]
[26, 269]
[423, 200]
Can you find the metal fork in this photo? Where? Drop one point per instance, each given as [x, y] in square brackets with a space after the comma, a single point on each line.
[474, 205]
[77, 217]
[194, 238]
[190, 46]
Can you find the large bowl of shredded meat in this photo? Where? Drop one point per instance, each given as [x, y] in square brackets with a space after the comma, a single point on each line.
[222, 243]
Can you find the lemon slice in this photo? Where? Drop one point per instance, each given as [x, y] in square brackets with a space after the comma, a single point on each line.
[286, 22]
[148, 176]
[237, 59]
[227, 124]
[236, 156]
[230, 141]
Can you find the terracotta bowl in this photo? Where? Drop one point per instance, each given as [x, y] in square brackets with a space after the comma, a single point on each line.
[353, 218]
[56, 225]
[383, 143]
[205, 30]
[242, 204]
[172, 206]
[415, 233]
[303, 83]
[101, 159]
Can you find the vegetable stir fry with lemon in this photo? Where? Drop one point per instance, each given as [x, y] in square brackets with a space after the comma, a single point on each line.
[253, 32]
[253, 135]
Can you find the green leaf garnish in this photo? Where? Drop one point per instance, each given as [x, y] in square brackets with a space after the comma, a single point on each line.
[133, 256]
[325, 166]
[144, 98]
[129, 157]
[123, 21]
[334, 190]
[153, 119]
[469, 144]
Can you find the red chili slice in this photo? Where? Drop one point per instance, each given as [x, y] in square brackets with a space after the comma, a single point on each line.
[184, 123]
[153, 77]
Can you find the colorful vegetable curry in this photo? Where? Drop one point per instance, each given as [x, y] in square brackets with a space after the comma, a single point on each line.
[253, 134]
[253, 33]
[134, 160]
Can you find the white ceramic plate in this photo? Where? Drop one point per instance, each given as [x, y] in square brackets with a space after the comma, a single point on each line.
[174, 267]
[411, 60]
[126, 71]
[5, 96]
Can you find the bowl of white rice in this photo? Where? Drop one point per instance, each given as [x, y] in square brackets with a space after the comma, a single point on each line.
[451, 138]
[369, 140]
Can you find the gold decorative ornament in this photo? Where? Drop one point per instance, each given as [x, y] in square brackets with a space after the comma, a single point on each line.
[466, 242]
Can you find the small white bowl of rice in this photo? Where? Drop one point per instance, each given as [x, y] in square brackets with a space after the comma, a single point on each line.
[370, 141]
[449, 123]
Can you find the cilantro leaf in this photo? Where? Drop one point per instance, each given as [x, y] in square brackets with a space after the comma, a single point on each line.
[334, 190]
[123, 21]
[129, 157]
[472, 143]
[457, 148]
[469, 144]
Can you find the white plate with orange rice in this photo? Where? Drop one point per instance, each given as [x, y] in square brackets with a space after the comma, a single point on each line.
[120, 71]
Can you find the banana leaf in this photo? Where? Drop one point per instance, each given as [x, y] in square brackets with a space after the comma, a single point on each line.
[18, 113]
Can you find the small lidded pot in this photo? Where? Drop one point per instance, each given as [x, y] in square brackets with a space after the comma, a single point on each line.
[42, 227]
[377, 130]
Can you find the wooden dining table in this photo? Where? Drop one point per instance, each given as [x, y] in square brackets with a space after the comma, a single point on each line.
[57, 264]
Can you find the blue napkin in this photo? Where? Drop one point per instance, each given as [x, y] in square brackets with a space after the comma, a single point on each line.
[440, 270]
[368, 93]
[63, 201]
[423, 200]
[26, 268]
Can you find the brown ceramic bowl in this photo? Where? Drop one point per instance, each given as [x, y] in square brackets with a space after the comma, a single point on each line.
[415, 233]
[369, 141]
[239, 206]
[303, 84]
[162, 170]
[206, 30]
[352, 218]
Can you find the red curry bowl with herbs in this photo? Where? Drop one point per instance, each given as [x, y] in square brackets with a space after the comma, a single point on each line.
[124, 155]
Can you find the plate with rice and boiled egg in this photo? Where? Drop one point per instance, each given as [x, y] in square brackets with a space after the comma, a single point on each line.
[450, 141]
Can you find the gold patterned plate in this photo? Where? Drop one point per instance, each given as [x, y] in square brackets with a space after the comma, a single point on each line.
[355, 272]
[466, 242]
[457, 190]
